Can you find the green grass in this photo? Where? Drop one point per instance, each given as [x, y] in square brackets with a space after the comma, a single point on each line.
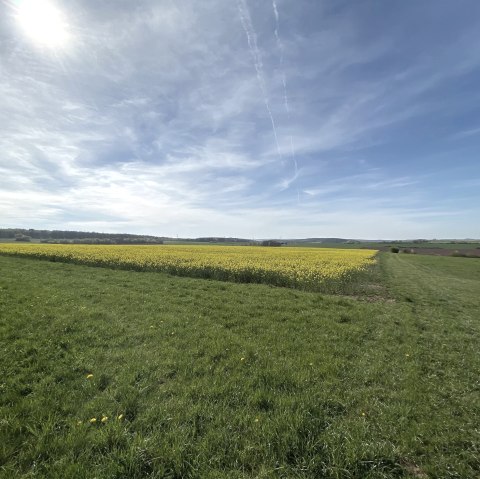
[385, 244]
[221, 380]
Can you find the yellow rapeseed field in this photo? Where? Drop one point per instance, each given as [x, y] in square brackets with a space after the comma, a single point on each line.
[305, 268]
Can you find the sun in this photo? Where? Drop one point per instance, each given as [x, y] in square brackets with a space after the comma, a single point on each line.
[43, 23]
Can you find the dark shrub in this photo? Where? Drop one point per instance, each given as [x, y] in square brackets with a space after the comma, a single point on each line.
[20, 237]
[394, 249]
[271, 243]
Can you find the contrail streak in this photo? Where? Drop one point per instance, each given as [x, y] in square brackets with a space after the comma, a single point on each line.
[295, 165]
[257, 60]
[292, 149]
[280, 48]
[284, 79]
[285, 95]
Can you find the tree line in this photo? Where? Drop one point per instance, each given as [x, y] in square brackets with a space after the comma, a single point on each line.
[76, 237]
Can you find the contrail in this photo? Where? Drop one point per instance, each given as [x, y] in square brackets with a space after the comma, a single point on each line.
[292, 149]
[257, 59]
[284, 79]
[280, 48]
[295, 165]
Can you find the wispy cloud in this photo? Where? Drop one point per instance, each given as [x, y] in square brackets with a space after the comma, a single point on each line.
[466, 133]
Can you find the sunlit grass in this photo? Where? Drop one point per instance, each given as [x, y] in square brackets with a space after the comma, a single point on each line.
[219, 380]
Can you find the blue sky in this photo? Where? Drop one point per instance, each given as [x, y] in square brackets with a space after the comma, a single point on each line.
[286, 118]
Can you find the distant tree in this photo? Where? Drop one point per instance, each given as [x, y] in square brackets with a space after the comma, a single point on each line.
[271, 243]
[22, 237]
[394, 249]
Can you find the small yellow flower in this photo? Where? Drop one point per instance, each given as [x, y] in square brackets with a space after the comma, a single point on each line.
[363, 414]
[256, 419]
[407, 355]
[104, 418]
[93, 420]
[242, 359]
[311, 364]
[120, 417]
[89, 376]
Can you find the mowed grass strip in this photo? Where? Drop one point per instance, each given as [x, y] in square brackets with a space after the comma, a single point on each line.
[199, 378]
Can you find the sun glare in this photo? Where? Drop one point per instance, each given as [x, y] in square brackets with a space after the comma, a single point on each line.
[43, 22]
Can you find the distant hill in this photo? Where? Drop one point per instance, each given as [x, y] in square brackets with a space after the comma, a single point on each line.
[76, 237]
[320, 240]
[216, 239]
[90, 237]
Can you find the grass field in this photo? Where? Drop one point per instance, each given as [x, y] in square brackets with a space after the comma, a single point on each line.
[427, 247]
[206, 379]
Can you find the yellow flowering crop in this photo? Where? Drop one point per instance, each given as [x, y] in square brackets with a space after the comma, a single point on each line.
[305, 268]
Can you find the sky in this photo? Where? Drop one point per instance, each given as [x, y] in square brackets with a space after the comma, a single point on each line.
[246, 118]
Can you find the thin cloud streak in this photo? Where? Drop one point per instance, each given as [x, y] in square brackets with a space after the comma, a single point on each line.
[284, 83]
[466, 133]
[257, 59]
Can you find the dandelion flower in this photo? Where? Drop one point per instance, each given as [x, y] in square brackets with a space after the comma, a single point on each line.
[93, 420]
[256, 419]
[363, 414]
[242, 359]
[104, 418]
[120, 417]
[89, 376]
